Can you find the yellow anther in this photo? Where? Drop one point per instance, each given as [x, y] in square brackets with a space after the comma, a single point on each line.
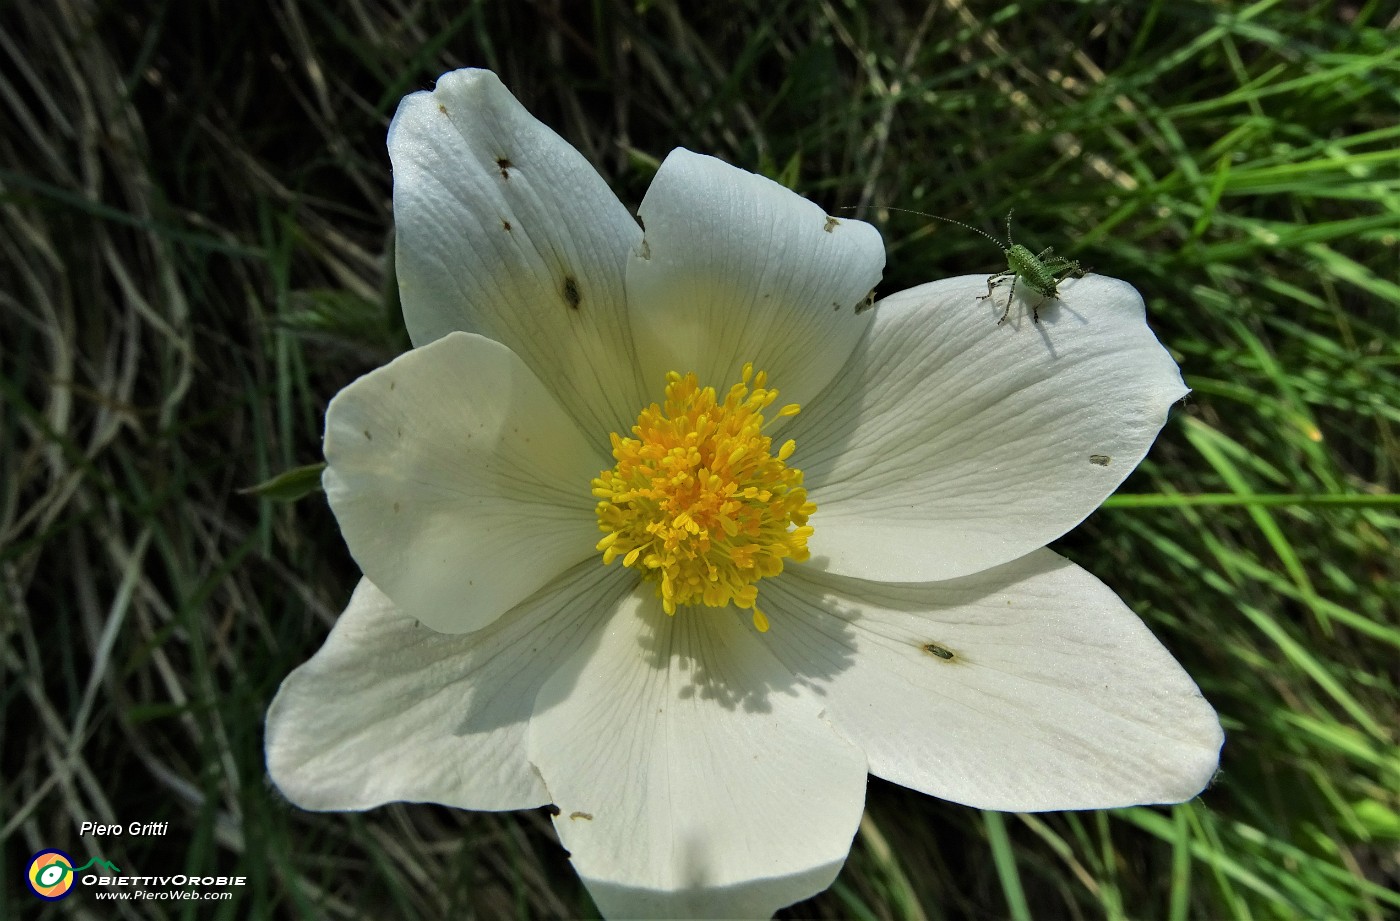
[699, 502]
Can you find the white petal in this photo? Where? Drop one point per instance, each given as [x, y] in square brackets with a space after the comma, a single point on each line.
[1056, 695]
[693, 778]
[505, 230]
[950, 444]
[735, 268]
[389, 710]
[459, 484]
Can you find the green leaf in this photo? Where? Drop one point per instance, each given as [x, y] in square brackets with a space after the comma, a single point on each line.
[289, 485]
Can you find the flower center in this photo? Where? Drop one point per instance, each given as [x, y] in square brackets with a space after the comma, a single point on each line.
[698, 501]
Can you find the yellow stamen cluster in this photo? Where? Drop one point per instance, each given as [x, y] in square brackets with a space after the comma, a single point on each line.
[698, 501]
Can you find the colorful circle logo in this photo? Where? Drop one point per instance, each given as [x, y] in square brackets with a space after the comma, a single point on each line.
[50, 875]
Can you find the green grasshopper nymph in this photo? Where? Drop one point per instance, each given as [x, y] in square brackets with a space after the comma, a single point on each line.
[1041, 272]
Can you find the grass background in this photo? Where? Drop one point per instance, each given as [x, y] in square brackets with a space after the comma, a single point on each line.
[195, 242]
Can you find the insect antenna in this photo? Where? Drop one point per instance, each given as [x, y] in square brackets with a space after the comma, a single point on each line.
[948, 220]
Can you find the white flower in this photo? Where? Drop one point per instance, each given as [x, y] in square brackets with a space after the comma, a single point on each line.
[701, 766]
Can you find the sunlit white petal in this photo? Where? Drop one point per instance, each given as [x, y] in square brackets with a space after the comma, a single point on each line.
[504, 229]
[1027, 687]
[390, 710]
[736, 268]
[693, 777]
[949, 444]
[458, 482]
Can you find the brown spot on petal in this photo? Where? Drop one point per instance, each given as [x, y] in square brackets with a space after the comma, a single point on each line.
[1100, 459]
[505, 225]
[572, 295]
[505, 166]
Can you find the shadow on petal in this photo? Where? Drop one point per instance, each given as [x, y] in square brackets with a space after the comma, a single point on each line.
[532, 641]
[703, 658]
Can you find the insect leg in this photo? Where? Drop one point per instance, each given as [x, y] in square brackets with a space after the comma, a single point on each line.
[1035, 310]
[992, 282]
[1010, 299]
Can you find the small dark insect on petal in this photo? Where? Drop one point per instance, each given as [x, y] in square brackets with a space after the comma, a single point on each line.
[941, 652]
[1101, 460]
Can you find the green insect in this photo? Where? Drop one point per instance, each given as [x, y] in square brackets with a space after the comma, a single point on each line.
[1042, 272]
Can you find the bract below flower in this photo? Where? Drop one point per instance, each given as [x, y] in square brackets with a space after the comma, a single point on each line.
[664, 600]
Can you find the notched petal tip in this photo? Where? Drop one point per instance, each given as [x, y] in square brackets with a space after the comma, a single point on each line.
[759, 898]
[455, 94]
[685, 173]
[739, 268]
